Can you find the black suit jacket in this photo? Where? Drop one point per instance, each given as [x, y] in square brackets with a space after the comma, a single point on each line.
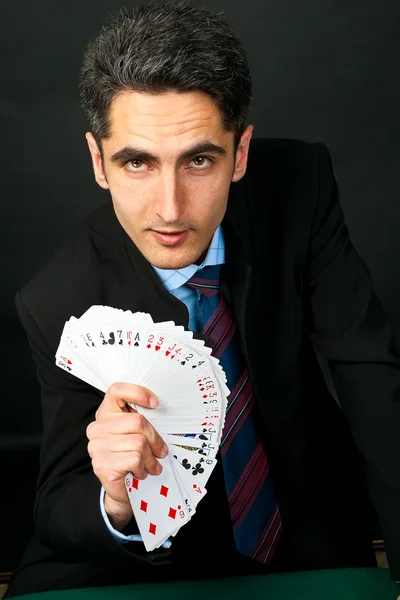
[297, 285]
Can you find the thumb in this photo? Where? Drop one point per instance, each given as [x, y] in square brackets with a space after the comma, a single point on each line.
[120, 394]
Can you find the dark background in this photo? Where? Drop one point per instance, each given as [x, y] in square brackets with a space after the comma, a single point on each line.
[323, 70]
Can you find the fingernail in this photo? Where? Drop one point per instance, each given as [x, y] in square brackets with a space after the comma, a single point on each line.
[158, 468]
[153, 401]
[164, 451]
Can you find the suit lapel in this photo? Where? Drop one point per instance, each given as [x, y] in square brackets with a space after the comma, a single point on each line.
[236, 273]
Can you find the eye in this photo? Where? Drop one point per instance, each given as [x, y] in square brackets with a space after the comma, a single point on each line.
[136, 165]
[131, 165]
[202, 164]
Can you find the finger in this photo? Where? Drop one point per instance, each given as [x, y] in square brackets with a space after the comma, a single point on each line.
[150, 463]
[118, 394]
[111, 468]
[112, 472]
[136, 443]
[129, 423]
[113, 480]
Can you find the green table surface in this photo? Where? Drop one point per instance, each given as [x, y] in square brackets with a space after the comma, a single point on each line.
[337, 584]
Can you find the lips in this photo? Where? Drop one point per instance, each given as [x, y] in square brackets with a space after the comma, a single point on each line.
[170, 239]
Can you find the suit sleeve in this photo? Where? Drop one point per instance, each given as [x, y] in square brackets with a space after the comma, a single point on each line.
[67, 514]
[350, 328]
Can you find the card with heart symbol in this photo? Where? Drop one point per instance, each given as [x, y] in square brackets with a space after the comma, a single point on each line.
[107, 345]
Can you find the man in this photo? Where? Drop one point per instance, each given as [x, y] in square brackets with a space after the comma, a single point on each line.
[167, 90]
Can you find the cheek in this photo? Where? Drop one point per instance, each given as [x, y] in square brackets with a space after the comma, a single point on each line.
[215, 202]
[130, 198]
[209, 197]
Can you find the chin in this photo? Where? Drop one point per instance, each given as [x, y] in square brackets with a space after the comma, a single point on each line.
[169, 263]
[171, 260]
[176, 257]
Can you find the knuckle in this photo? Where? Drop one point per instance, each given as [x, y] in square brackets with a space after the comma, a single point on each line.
[140, 444]
[139, 422]
[136, 461]
[90, 449]
[96, 465]
[102, 410]
[89, 430]
[93, 449]
[114, 389]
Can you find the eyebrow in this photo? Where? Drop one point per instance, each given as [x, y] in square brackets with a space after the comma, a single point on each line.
[129, 152]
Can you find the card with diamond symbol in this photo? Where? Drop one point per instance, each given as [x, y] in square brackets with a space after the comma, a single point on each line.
[159, 509]
[107, 345]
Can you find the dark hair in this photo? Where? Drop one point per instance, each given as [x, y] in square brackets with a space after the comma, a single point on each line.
[173, 46]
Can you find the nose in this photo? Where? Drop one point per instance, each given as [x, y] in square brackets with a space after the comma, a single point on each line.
[170, 198]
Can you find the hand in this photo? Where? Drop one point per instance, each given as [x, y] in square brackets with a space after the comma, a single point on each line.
[121, 441]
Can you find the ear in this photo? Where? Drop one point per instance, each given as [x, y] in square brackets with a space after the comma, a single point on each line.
[96, 160]
[242, 154]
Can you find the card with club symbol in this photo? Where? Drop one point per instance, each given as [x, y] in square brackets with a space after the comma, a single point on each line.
[107, 345]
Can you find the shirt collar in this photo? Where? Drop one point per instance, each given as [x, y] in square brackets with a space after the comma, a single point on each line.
[174, 278]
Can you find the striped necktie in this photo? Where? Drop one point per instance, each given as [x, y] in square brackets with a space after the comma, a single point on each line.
[251, 494]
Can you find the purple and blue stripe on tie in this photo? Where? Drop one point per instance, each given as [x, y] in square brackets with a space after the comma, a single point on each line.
[252, 499]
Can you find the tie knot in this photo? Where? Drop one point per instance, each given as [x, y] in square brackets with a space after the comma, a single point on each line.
[206, 280]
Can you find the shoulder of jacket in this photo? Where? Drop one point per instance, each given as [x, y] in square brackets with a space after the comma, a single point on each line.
[96, 239]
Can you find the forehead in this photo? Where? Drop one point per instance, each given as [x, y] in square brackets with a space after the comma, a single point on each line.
[169, 120]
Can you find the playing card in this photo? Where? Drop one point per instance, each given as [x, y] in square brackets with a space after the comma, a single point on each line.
[199, 466]
[107, 345]
[194, 490]
[157, 505]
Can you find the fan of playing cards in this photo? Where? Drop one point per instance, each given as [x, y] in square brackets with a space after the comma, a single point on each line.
[106, 345]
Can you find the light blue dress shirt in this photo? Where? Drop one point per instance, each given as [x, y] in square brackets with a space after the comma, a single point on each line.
[174, 281]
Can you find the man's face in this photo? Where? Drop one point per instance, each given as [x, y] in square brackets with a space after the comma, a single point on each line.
[168, 194]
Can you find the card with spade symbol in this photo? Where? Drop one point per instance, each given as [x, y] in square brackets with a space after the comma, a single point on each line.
[106, 345]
